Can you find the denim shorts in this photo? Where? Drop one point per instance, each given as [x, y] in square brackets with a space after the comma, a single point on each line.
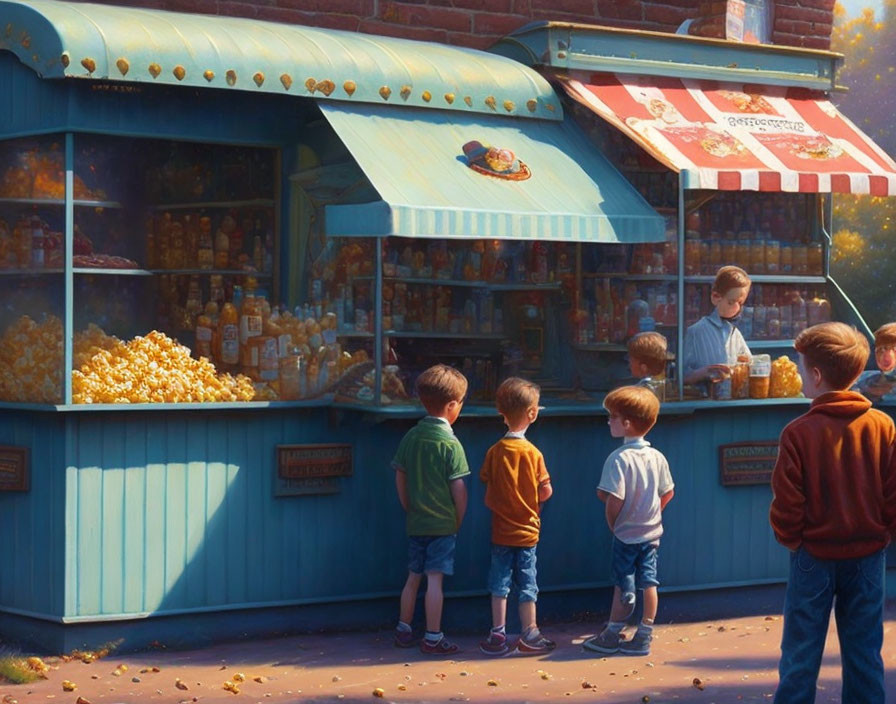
[513, 566]
[431, 553]
[634, 565]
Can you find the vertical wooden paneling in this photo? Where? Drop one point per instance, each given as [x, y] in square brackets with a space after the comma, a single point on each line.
[197, 490]
[31, 522]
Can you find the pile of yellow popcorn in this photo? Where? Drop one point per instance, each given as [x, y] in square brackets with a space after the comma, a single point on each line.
[153, 369]
[785, 378]
[31, 361]
[150, 369]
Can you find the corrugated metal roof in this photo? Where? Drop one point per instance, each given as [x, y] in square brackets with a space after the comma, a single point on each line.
[105, 42]
[415, 160]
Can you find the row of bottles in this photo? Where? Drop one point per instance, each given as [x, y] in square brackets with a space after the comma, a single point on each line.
[619, 310]
[756, 256]
[237, 240]
[425, 308]
[771, 312]
[29, 243]
[492, 261]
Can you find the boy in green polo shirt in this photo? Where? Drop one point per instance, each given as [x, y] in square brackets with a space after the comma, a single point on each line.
[429, 469]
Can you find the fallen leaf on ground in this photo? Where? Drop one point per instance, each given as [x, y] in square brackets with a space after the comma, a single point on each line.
[68, 686]
[379, 692]
[179, 684]
[698, 683]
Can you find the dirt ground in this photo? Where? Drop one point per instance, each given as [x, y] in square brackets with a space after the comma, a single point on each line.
[711, 662]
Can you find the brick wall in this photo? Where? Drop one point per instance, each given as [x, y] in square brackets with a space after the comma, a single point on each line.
[479, 23]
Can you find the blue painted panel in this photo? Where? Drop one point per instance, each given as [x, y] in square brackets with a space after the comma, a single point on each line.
[31, 523]
[197, 489]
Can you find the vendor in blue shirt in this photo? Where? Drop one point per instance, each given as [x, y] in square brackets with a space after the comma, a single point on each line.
[713, 344]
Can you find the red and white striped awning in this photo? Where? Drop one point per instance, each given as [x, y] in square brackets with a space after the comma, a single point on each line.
[733, 136]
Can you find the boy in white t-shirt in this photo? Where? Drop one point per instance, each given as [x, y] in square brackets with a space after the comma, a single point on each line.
[636, 485]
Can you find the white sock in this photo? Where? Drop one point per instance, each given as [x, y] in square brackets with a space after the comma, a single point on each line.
[404, 627]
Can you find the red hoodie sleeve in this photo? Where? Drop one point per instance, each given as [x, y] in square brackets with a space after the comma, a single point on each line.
[788, 511]
[889, 486]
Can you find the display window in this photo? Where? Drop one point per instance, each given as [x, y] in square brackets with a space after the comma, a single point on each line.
[32, 222]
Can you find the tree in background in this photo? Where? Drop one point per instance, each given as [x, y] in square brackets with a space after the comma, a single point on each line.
[862, 258]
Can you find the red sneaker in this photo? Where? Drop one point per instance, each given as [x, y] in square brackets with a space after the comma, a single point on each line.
[404, 639]
[442, 647]
[495, 645]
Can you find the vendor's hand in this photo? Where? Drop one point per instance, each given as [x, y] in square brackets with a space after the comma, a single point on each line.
[717, 372]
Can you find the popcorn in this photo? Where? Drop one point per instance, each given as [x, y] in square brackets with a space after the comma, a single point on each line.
[785, 378]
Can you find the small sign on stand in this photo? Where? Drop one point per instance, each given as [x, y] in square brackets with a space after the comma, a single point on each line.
[303, 470]
[13, 468]
[746, 463]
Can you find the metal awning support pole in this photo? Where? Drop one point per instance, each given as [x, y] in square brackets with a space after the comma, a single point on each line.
[68, 324]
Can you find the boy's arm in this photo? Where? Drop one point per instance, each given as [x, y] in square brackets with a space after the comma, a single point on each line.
[459, 496]
[545, 491]
[889, 486]
[614, 506]
[602, 495]
[666, 498]
[788, 510]
[401, 485]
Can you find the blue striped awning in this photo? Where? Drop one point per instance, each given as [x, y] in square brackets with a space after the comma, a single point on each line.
[415, 161]
[99, 42]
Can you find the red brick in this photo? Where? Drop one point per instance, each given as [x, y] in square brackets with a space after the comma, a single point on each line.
[422, 16]
[567, 7]
[548, 15]
[665, 15]
[522, 7]
[237, 9]
[202, 7]
[691, 5]
[818, 4]
[346, 22]
[803, 14]
[816, 42]
[285, 15]
[794, 27]
[482, 5]
[359, 8]
[624, 9]
[493, 23]
[389, 29]
[482, 41]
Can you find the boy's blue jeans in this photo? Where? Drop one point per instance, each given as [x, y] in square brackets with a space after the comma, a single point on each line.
[856, 590]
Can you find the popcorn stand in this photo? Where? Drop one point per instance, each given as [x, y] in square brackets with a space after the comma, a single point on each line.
[225, 262]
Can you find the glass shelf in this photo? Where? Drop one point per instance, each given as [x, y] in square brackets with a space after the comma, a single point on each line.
[601, 347]
[632, 277]
[764, 279]
[110, 272]
[60, 201]
[445, 335]
[252, 203]
[499, 286]
[29, 272]
[766, 344]
[222, 272]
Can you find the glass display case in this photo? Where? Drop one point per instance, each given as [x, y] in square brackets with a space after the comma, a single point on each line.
[32, 222]
[173, 275]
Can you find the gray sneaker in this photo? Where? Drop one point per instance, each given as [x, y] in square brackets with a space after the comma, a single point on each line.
[638, 645]
[606, 642]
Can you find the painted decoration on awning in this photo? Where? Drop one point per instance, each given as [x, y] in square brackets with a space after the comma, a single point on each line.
[495, 161]
[733, 136]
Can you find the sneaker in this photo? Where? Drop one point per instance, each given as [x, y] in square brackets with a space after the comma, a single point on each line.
[442, 647]
[404, 639]
[638, 645]
[606, 642]
[534, 642]
[495, 644]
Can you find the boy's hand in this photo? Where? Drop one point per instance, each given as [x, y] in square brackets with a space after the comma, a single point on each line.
[717, 372]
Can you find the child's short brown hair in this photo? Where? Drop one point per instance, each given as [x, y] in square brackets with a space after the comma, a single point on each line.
[440, 385]
[515, 396]
[729, 277]
[636, 404]
[838, 351]
[885, 335]
[649, 348]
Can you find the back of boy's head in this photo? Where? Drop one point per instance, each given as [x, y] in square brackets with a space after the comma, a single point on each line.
[729, 277]
[885, 335]
[440, 385]
[837, 350]
[649, 348]
[515, 396]
[636, 404]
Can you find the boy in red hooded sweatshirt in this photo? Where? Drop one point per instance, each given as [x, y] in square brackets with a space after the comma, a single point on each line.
[834, 507]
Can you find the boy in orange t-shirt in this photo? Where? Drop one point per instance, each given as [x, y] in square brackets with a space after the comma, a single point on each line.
[517, 484]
